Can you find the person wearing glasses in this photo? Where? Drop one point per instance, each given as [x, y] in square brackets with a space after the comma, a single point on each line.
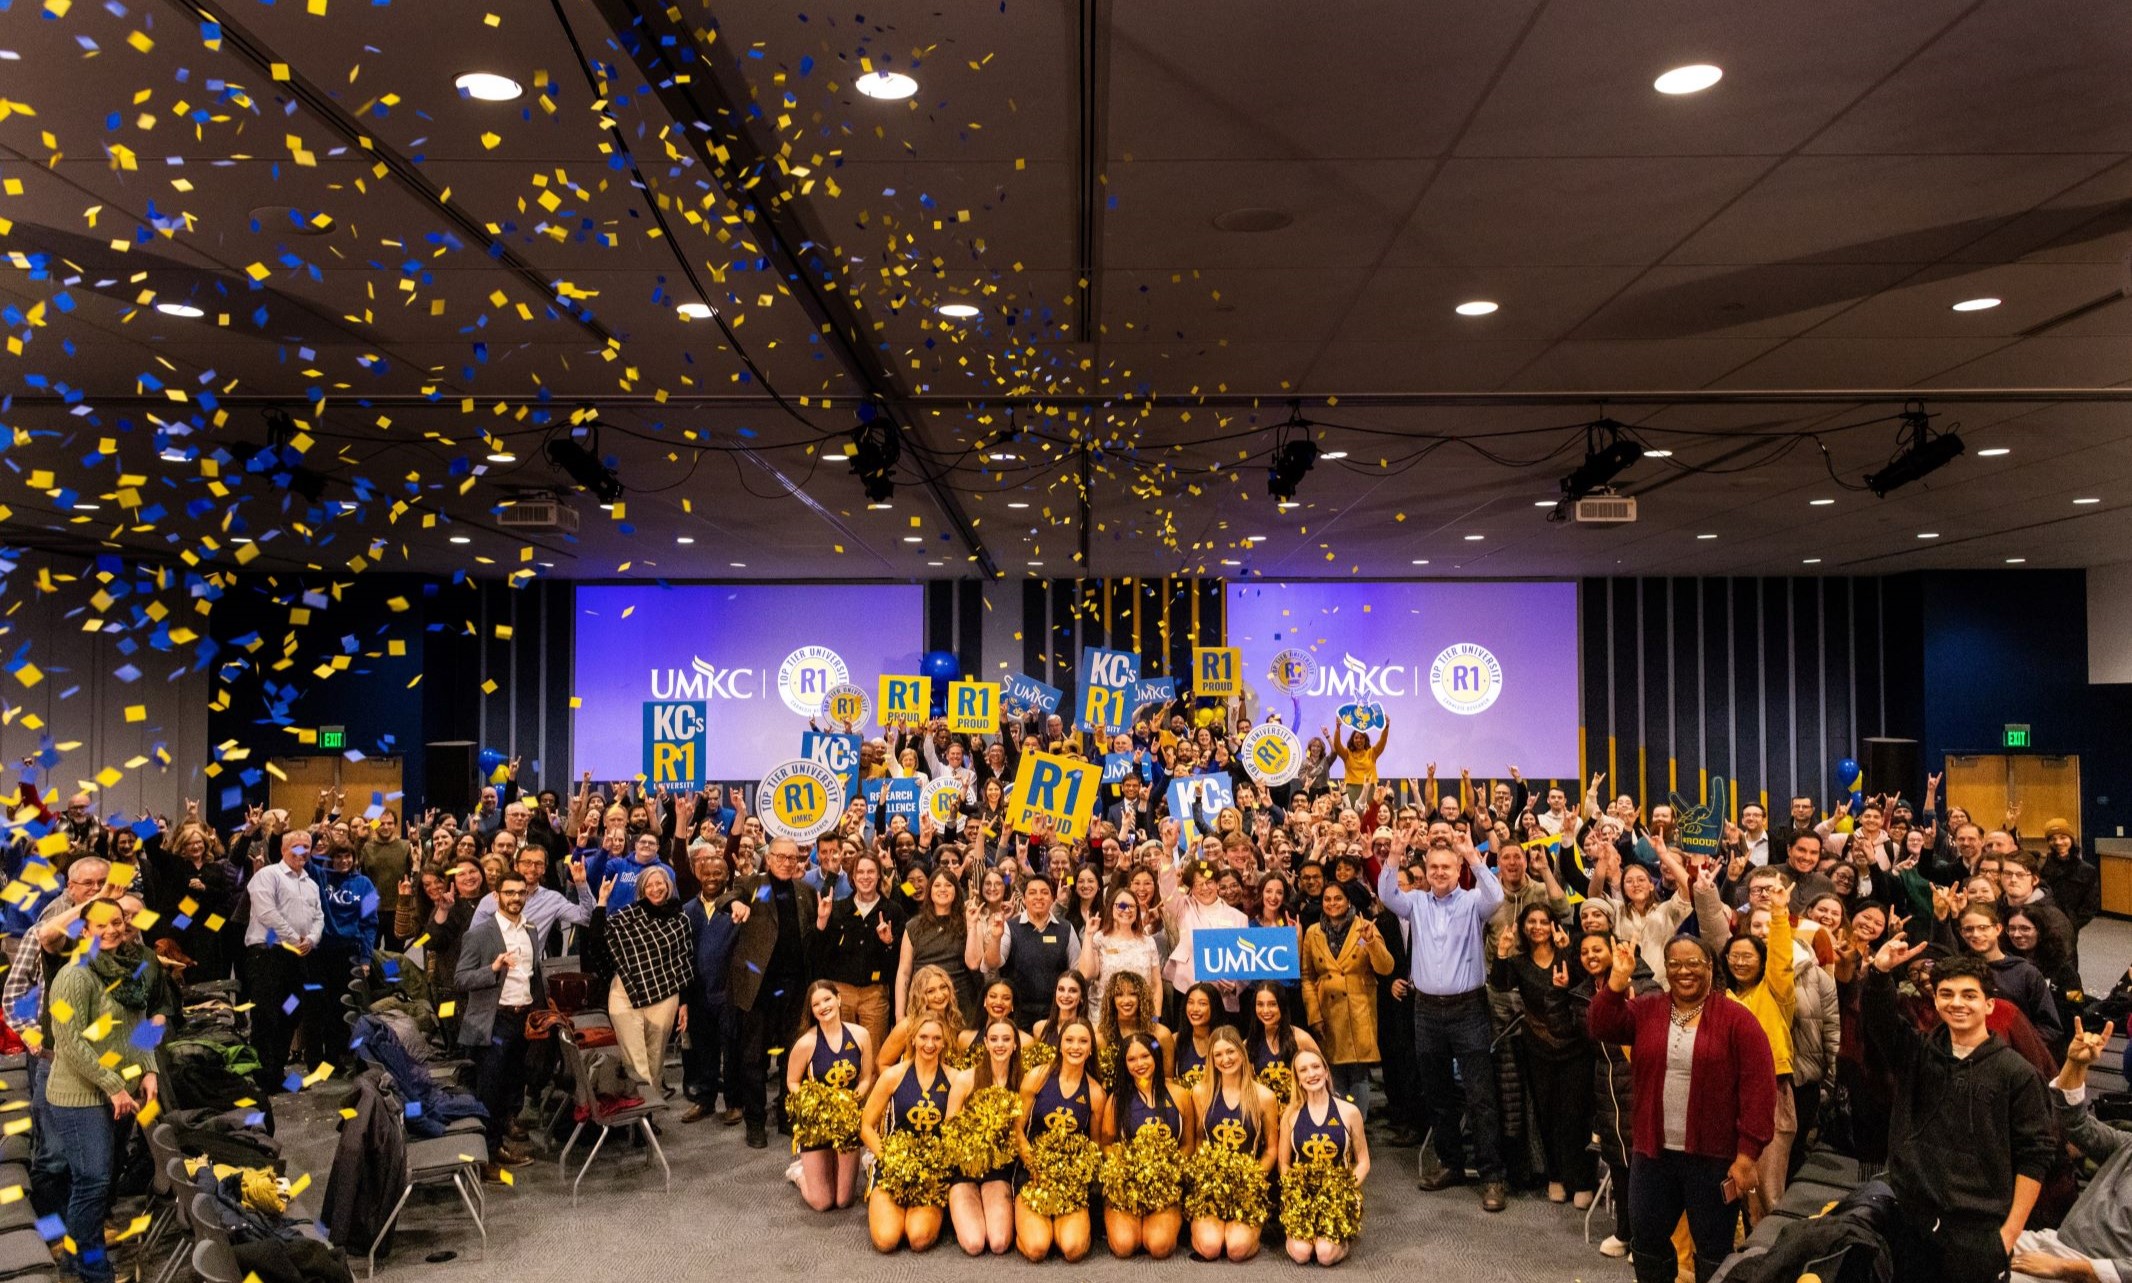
[780, 918]
[25, 998]
[1121, 941]
[1705, 1101]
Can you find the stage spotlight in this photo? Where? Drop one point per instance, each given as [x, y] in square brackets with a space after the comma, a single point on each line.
[1291, 460]
[1922, 453]
[876, 445]
[280, 463]
[584, 467]
[1602, 463]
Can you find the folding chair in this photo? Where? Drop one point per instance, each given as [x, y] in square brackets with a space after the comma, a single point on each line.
[456, 1160]
[580, 1068]
[215, 1263]
[1604, 1194]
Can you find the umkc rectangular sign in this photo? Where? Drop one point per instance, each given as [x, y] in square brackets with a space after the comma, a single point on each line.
[1246, 953]
[757, 658]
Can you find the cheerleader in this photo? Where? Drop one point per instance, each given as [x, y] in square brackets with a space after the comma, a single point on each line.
[1057, 1147]
[1148, 1132]
[1275, 1043]
[1128, 1009]
[1324, 1160]
[828, 1071]
[932, 994]
[1201, 1002]
[1069, 1001]
[1238, 1122]
[998, 1004]
[984, 1116]
[902, 1129]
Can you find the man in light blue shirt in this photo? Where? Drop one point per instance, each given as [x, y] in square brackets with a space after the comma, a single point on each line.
[1451, 1022]
[288, 987]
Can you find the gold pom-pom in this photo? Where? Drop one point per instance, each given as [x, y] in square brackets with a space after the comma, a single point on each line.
[1061, 1165]
[1190, 1077]
[1144, 1173]
[911, 1170]
[1106, 1059]
[1278, 1079]
[823, 1116]
[960, 1057]
[1319, 1199]
[1224, 1183]
[1037, 1054]
[979, 1139]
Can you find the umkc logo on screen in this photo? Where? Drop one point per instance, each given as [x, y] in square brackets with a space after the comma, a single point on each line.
[806, 676]
[1466, 678]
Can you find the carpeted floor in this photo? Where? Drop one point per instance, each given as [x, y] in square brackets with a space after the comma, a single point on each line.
[731, 1208]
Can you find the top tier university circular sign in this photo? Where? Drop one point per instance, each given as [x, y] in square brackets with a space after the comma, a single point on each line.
[1465, 678]
[800, 800]
[1294, 670]
[1272, 754]
[807, 675]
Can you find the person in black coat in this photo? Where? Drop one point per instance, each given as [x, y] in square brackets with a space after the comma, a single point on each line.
[1395, 1034]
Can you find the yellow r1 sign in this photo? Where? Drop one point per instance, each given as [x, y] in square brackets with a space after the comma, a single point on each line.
[1216, 670]
[906, 701]
[973, 707]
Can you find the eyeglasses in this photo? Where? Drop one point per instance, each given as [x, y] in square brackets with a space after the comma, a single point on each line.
[1692, 964]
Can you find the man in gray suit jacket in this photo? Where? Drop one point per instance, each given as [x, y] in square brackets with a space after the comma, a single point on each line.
[500, 984]
[780, 919]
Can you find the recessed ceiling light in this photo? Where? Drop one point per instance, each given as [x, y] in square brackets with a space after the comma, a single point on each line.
[1994, 452]
[879, 507]
[2081, 501]
[548, 565]
[1976, 305]
[2015, 561]
[240, 538]
[738, 565]
[1692, 79]
[1036, 563]
[1253, 219]
[1478, 307]
[1544, 503]
[936, 563]
[186, 310]
[1229, 562]
[695, 311]
[684, 539]
[914, 538]
[1811, 561]
[1421, 561]
[87, 507]
[886, 85]
[1658, 454]
[606, 507]
[1475, 538]
[174, 455]
[1333, 454]
[461, 539]
[1286, 504]
[503, 456]
[488, 86]
[1001, 456]
[349, 505]
[1819, 503]
[957, 311]
[1254, 538]
[1706, 536]
[1017, 504]
[1930, 534]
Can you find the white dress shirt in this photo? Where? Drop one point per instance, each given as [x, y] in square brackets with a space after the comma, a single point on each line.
[518, 977]
[285, 903]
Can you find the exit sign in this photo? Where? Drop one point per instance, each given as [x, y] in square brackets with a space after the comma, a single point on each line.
[337, 736]
[2017, 735]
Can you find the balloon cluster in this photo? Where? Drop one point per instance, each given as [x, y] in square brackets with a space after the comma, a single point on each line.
[495, 765]
[943, 666]
[1850, 778]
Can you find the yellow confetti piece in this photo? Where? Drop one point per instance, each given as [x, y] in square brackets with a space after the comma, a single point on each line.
[29, 675]
[446, 1010]
[136, 712]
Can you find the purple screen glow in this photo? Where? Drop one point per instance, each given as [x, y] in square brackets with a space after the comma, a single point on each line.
[756, 653]
[1480, 675]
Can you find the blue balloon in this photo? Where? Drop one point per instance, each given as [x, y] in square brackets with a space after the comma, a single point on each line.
[490, 759]
[1847, 772]
[1858, 800]
[942, 666]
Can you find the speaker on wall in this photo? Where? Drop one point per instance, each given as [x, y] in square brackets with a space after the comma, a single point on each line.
[1892, 766]
[448, 776]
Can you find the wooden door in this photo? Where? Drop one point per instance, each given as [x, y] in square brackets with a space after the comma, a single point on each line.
[1977, 784]
[2045, 788]
[295, 787]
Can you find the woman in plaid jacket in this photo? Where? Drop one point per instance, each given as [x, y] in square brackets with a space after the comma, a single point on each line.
[647, 949]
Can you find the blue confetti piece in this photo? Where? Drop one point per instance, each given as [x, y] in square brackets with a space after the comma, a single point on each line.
[148, 1035]
[414, 1109]
[289, 1008]
[294, 1082]
[51, 1229]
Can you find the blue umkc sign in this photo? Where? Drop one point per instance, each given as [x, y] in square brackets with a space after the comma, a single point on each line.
[1245, 953]
[677, 745]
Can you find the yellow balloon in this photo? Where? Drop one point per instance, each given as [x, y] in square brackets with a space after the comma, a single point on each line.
[499, 775]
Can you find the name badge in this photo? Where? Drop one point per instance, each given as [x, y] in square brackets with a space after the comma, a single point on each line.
[1051, 939]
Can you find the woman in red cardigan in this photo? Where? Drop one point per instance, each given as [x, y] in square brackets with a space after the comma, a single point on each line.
[1705, 1104]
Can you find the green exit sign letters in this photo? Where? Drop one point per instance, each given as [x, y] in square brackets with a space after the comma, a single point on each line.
[336, 737]
[2017, 735]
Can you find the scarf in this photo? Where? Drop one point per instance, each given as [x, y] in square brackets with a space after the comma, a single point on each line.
[670, 907]
[127, 973]
[1336, 929]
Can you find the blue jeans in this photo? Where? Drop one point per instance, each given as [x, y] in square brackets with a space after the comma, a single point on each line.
[1353, 1082]
[85, 1135]
[1456, 1037]
[48, 1161]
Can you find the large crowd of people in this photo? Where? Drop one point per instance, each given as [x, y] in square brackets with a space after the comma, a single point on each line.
[987, 1032]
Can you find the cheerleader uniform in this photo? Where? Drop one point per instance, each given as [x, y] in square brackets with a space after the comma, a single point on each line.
[1139, 1114]
[1191, 1061]
[1059, 1113]
[1003, 1172]
[839, 1067]
[1144, 1173]
[917, 1108]
[1320, 1190]
[1263, 1058]
[1225, 1181]
[1231, 1125]
[910, 1168]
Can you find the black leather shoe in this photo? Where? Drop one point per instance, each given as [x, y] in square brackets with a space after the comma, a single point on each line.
[758, 1137]
[1443, 1177]
[1495, 1196]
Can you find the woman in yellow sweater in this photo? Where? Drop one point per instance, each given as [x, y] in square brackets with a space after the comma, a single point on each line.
[1762, 978]
[1358, 761]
